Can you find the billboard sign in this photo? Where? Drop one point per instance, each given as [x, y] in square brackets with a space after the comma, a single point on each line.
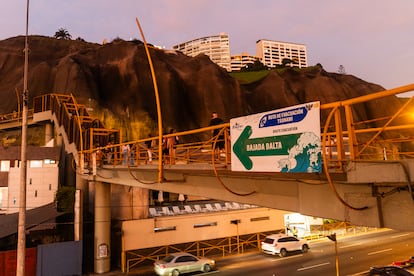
[283, 140]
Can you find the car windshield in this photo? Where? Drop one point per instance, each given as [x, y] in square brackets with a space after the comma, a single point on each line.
[268, 240]
[168, 259]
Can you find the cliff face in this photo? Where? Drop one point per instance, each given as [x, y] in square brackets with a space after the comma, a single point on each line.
[117, 78]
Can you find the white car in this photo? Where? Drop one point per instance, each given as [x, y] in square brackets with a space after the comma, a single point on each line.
[282, 244]
[181, 262]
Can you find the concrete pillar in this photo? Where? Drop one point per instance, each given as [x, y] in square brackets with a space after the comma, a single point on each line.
[121, 198]
[102, 243]
[48, 132]
[78, 220]
[140, 203]
[83, 186]
[130, 202]
[59, 140]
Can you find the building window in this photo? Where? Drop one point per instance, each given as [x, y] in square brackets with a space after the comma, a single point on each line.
[198, 225]
[162, 229]
[50, 187]
[259, 218]
[4, 166]
[36, 163]
[35, 193]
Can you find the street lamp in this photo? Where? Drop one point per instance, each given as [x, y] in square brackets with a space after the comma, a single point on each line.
[236, 222]
[332, 237]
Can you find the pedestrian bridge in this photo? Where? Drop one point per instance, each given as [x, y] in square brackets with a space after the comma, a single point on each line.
[367, 164]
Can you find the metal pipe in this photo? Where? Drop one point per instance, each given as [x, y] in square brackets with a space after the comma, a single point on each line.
[157, 98]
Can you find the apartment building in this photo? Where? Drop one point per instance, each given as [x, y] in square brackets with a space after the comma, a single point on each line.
[240, 61]
[42, 177]
[272, 53]
[216, 47]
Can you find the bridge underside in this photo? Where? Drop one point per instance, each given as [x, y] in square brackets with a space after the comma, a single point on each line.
[376, 194]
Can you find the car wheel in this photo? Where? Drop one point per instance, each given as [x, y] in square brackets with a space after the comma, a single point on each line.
[175, 272]
[305, 248]
[206, 268]
[283, 252]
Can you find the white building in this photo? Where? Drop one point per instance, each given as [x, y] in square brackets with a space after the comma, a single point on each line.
[216, 47]
[240, 61]
[272, 53]
[42, 177]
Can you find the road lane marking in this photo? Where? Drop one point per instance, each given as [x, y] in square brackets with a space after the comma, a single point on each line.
[399, 236]
[378, 252]
[350, 245]
[286, 258]
[312, 266]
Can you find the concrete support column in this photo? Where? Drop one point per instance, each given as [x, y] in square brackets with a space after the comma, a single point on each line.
[48, 132]
[140, 203]
[83, 186]
[102, 243]
[78, 220]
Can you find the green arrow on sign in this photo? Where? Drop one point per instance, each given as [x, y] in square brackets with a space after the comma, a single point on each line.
[263, 146]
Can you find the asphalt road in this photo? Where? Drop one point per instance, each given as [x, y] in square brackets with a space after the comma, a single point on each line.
[356, 255]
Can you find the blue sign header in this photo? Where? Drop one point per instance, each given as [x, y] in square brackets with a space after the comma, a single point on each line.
[283, 117]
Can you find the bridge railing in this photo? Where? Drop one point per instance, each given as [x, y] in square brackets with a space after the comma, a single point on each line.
[85, 131]
[384, 135]
[194, 146]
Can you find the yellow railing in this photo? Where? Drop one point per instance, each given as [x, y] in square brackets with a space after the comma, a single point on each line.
[384, 135]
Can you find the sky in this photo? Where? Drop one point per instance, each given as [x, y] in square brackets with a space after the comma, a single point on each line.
[372, 39]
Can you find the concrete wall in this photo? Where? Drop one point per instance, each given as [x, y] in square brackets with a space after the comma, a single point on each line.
[41, 186]
[141, 233]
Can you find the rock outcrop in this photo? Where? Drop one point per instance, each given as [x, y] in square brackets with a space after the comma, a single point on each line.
[116, 77]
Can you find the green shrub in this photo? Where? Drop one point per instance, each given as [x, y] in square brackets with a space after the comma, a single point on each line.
[65, 199]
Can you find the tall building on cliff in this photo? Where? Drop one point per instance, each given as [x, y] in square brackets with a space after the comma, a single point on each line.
[272, 53]
[217, 47]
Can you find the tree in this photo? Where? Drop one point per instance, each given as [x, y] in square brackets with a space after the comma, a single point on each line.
[341, 69]
[257, 65]
[63, 34]
[286, 61]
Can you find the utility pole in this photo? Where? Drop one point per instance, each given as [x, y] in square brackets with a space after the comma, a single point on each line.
[332, 237]
[21, 233]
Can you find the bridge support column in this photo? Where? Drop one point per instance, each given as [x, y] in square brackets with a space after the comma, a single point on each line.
[48, 132]
[102, 242]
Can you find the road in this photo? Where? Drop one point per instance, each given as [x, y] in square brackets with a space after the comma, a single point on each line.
[356, 255]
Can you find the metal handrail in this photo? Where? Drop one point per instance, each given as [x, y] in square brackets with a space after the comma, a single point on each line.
[344, 138]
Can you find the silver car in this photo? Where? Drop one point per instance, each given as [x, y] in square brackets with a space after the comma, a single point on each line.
[182, 262]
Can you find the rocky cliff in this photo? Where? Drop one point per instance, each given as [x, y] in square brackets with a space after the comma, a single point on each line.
[115, 78]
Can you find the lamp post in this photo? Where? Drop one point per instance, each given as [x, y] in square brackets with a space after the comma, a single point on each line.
[21, 231]
[332, 237]
[157, 99]
[236, 222]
